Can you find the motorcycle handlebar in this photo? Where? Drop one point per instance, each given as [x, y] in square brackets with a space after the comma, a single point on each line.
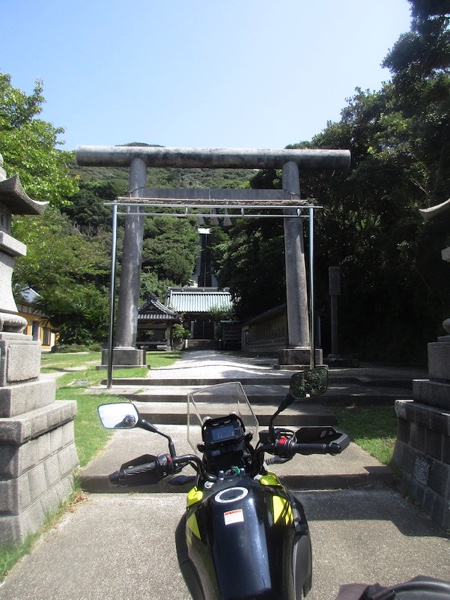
[157, 469]
[305, 449]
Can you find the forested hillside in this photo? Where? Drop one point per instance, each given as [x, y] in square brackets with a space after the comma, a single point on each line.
[198, 178]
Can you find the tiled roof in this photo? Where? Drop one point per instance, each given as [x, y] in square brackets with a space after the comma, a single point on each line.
[154, 310]
[199, 300]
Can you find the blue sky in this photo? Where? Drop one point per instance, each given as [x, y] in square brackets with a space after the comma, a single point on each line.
[197, 73]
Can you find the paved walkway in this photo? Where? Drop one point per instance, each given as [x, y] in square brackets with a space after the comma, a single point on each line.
[207, 363]
[120, 546]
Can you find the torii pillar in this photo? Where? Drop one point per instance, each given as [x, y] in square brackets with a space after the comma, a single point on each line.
[125, 352]
[140, 157]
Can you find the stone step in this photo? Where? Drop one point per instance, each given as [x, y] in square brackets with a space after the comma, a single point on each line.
[162, 398]
[345, 471]
[162, 381]
[339, 394]
[201, 344]
[297, 415]
[256, 393]
[167, 404]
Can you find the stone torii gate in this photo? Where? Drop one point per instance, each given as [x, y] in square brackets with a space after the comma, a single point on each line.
[138, 158]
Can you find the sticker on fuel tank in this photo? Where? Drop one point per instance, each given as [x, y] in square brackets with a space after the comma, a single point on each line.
[234, 516]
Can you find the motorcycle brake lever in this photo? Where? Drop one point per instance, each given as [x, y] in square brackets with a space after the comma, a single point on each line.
[277, 460]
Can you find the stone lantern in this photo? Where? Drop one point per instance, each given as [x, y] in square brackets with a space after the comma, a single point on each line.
[37, 448]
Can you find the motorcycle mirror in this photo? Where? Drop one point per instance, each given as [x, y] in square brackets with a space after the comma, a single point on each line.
[309, 383]
[120, 415]
[303, 385]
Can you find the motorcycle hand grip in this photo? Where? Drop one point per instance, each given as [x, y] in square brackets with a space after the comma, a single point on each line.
[334, 447]
[119, 476]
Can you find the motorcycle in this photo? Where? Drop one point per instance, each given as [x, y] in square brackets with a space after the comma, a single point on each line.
[419, 588]
[243, 534]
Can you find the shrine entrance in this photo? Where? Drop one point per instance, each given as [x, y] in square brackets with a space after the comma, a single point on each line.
[222, 203]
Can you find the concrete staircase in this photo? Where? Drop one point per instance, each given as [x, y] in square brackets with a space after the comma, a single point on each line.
[164, 401]
[201, 344]
[161, 395]
[161, 398]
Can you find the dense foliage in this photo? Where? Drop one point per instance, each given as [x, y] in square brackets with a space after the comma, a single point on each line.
[70, 271]
[395, 287]
[28, 145]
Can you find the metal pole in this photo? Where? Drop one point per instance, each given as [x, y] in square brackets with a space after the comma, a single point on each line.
[112, 296]
[312, 358]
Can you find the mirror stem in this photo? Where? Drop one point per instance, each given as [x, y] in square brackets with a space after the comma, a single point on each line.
[288, 399]
[149, 427]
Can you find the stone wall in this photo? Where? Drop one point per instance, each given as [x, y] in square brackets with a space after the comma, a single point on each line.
[422, 450]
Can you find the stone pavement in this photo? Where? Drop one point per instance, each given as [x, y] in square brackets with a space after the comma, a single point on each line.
[118, 545]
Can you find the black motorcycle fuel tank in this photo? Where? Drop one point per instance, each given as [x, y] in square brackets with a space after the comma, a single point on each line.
[248, 539]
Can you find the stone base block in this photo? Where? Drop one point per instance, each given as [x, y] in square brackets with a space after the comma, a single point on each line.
[439, 361]
[15, 460]
[299, 356]
[20, 358]
[37, 459]
[422, 452]
[432, 393]
[425, 481]
[15, 528]
[31, 425]
[125, 357]
[18, 494]
[23, 397]
[341, 361]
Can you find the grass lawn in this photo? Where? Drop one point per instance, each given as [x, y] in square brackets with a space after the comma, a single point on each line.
[374, 428]
[90, 436]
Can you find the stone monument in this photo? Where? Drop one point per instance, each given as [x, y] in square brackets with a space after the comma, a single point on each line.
[422, 450]
[37, 449]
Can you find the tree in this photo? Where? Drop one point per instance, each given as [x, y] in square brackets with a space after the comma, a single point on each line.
[28, 145]
[150, 284]
[170, 248]
[70, 271]
[87, 209]
[370, 226]
[251, 263]
[395, 288]
[81, 316]
[58, 254]
[419, 63]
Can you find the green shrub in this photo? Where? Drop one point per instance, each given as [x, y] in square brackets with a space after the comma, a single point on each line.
[65, 348]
